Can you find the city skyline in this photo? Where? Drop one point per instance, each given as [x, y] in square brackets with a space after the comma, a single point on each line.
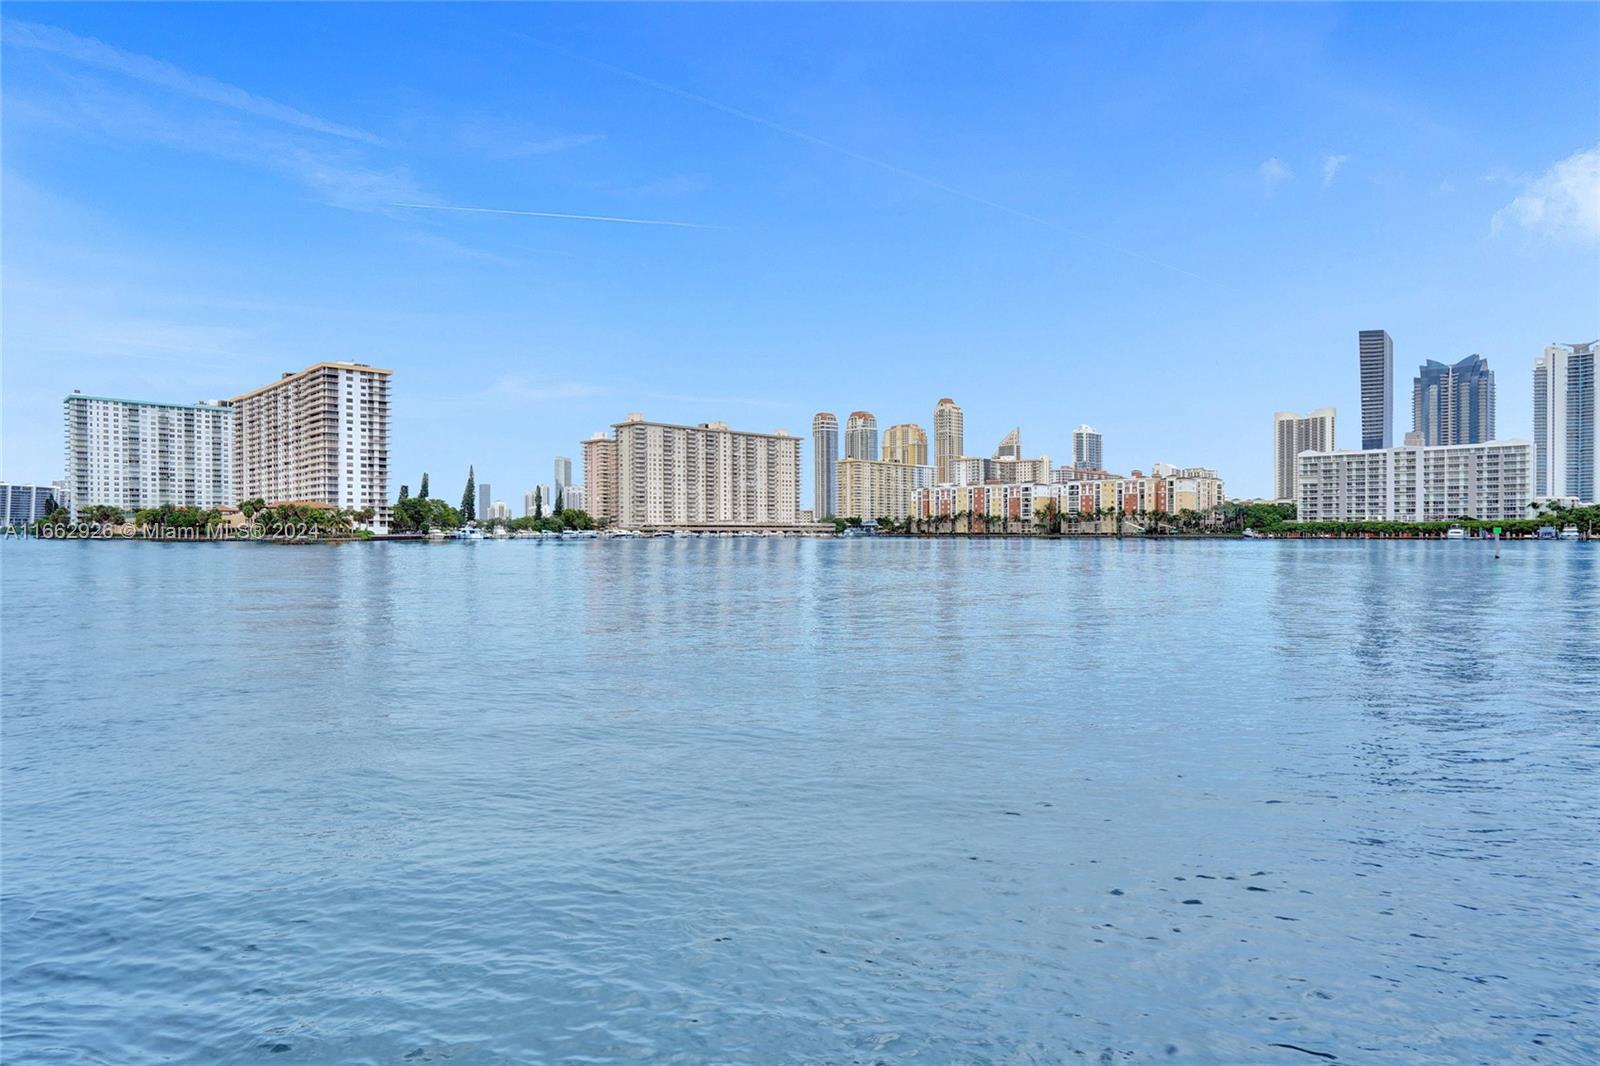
[930, 244]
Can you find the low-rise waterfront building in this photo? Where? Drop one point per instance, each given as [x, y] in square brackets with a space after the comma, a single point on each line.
[1089, 504]
[1416, 482]
[135, 454]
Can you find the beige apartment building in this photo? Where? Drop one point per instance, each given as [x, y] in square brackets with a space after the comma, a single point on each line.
[1096, 500]
[1293, 434]
[949, 437]
[874, 488]
[320, 435]
[906, 443]
[600, 476]
[661, 475]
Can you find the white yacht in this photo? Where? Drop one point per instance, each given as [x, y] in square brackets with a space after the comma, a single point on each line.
[1569, 533]
[1455, 533]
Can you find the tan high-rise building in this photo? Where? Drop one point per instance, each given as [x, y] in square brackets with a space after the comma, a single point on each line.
[320, 435]
[875, 488]
[665, 475]
[1293, 434]
[949, 437]
[600, 476]
[906, 444]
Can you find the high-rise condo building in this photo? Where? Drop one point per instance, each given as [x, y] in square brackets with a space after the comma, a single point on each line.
[949, 437]
[1566, 422]
[575, 498]
[824, 465]
[1376, 352]
[1010, 445]
[1415, 482]
[1088, 448]
[1293, 434]
[134, 454]
[907, 444]
[976, 470]
[320, 436]
[563, 481]
[1454, 404]
[861, 436]
[705, 475]
[23, 505]
[483, 499]
[874, 488]
[600, 476]
[527, 503]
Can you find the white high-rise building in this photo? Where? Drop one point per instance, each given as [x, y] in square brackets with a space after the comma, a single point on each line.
[1566, 423]
[23, 505]
[134, 454]
[320, 435]
[1088, 448]
[706, 475]
[1293, 434]
[1416, 483]
[576, 499]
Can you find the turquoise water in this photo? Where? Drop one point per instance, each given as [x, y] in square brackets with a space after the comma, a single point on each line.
[800, 801]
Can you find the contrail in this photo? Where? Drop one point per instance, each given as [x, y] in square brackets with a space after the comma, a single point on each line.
[555, 214]
[851, 153]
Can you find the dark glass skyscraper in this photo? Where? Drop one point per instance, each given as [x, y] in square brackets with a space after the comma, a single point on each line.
[825, 465]
[1377, 388]
[1454, 404]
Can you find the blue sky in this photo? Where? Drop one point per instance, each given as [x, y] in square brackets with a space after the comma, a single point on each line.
[1166, 221]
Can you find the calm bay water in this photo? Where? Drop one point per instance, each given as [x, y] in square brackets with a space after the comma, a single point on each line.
[800, 801]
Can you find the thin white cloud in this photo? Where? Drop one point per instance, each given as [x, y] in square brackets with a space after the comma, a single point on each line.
[1563, 202]
[336, 173]
[860, 157]
[1330, 168]
[1274, 172]
[553, 214]
[94, 53]
[501, 140]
